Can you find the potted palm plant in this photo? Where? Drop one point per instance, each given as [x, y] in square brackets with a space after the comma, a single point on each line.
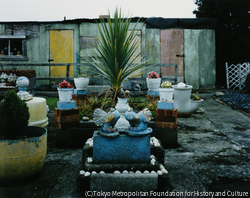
[23, 148]
[115, 54]
[166, 91]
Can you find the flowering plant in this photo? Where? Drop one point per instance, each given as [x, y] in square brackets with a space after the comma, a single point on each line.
[4, 77]
[65, 84]
[153, 74]
[166, 84]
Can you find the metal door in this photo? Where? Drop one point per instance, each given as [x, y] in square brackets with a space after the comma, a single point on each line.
[172, 51]
[61, 51]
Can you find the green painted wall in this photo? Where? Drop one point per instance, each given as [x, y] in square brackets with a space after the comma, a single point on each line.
[199, 61]
[199, 50]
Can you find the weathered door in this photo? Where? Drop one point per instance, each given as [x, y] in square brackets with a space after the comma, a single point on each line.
[172, 51]
[61, 51]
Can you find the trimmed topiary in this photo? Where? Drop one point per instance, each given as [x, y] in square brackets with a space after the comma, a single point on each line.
[14, 115]
[247, 83]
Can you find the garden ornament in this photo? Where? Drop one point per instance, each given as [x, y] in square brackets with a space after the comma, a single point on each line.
[107, 121]
[139, 122]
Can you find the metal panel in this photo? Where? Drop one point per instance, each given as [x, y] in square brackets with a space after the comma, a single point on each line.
[200, 58]
[172, 50]
[61, 51]
[154, 48]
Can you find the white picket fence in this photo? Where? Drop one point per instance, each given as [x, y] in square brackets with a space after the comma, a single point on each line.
[236, 75]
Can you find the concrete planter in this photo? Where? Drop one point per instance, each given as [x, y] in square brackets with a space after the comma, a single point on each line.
[81, 83]
[166, 94]
[153, 84]
[22, 160]
[65, 94]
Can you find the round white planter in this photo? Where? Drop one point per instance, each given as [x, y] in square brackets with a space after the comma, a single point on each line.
[65, 94]
[153, 84]
[166, 94]
[81, 83]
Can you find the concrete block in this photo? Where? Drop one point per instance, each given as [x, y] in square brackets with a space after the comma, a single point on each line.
[124, 182]
[165, 112]
[165, 105]
[66, 105]
[80, 92]
[168, 137]
[121, 149]
[153, 93]
[166, 125]
[64, 119]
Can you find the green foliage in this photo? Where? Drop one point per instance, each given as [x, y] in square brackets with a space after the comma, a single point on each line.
[14, 114]
[51, 102]
[232, 32]
[114, 55]
[93, 103]
[247, 83]
[137, 103]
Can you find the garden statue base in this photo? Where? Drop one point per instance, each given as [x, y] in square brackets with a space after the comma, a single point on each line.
[121, 149]
[66, 105]
[165, 105]
[166, 118]
[66, 118]
[133, 177]
[80, 92]
[153, 93]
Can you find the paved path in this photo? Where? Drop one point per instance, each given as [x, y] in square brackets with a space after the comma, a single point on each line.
[214, 151]
[213, 157]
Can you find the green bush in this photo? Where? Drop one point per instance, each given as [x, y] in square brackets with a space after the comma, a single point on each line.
[14, 115]
[247, 83]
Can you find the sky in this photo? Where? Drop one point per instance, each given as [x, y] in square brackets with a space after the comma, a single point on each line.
[56, 10]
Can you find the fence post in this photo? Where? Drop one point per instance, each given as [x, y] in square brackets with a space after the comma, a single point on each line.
[227, 75]
[67, 74]
[240, 76]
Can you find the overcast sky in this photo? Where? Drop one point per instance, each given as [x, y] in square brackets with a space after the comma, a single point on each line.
[55, 10]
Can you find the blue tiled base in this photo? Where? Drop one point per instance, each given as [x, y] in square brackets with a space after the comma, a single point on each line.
[153, 93]
[165, 105]
[80, 92]
[66, 105]
[122, 149]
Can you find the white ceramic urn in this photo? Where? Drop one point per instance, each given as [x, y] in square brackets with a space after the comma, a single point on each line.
[153, 84]
[81, 83]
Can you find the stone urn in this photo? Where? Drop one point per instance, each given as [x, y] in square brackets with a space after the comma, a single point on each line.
[166, 94]
[81, 83]
[65, 94]
[153, 84]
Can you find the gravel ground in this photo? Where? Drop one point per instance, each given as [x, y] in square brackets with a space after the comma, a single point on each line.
[212, 158]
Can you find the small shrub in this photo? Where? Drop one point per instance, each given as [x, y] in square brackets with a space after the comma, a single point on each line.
[247, 83]
[14, 115]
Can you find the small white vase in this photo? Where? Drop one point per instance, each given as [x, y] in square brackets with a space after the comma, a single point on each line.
[81, 83]
[166, 94]
[153, 84]
[65, 94]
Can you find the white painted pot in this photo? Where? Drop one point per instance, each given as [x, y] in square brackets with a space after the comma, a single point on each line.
[65, 94]
[166, 94]
[81, 83]
[153, 84]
